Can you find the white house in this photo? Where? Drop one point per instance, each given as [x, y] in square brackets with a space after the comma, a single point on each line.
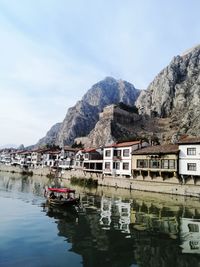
[5, 157]
[89, 159]
[117, 158]
[189, 158]
[15, 158]
[24, 158]
[67, 156]
[51, 158]
[37, 156]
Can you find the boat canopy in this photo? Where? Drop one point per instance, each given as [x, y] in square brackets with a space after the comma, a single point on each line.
[61, 190]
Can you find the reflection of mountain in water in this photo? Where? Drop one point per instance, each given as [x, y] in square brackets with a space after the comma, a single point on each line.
[25, 184]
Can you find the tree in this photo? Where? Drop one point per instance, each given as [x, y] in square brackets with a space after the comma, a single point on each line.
[78, 145]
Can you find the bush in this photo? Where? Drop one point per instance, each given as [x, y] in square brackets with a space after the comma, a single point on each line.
[84, 181]
[29, 173]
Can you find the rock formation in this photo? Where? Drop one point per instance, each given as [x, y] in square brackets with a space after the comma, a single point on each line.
[81, 118]
[174, 94]
[119, 124]
[168, 108]
[51, 136]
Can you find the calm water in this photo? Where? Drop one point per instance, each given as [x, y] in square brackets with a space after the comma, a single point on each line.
[112, 228]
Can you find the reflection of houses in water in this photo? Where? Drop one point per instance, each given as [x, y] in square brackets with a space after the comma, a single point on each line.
[151, 222]
[115, 212]
[105, 216]
[155, 218]
[190, 235]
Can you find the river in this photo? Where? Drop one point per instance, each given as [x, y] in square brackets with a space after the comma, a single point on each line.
[113, 227]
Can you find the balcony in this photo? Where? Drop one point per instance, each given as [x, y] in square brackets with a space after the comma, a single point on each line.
[117, 158]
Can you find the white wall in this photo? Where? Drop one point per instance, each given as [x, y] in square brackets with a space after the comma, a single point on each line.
[184, 159]
[123, 159]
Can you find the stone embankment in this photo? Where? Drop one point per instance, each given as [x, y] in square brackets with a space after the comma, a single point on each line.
[171, 186]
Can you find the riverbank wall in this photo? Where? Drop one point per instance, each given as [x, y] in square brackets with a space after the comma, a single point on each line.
[170, 186]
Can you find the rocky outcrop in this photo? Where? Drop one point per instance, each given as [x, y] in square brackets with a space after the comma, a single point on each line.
[51, 136]
[81, 118]
[116, 124]
[169, 107]
[175, 94]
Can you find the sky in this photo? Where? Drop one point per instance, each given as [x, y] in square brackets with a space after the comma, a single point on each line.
[53, 51]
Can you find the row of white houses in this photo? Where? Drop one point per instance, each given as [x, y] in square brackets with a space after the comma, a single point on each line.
[127, 159]
[39, 157]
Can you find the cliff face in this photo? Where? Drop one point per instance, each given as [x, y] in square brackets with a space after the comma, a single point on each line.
[170, 106]
[175, 94]
[51, 136]
[81, 118]
[116, 124]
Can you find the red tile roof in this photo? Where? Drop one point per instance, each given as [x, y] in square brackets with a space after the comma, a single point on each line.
[192, 140]
[69, 148]
[88, 150]
[124, 144]
[53, 152]
[25, 152]
[159, 149]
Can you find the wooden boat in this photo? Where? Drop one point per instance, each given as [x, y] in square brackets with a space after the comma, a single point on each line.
[61, 197]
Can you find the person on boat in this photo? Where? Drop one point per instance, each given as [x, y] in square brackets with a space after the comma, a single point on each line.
[70, 196]
[52, 195]
[61, 197]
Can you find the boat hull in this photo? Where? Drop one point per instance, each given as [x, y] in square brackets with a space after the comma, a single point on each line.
[63, 203]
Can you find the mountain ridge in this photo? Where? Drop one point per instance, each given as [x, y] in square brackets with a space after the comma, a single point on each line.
[175, 93]
[170, 106]
[82, 117]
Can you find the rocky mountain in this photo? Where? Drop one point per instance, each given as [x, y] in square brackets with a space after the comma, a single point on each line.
[114, 124]
[174, 95]
[81, 118]
[51, 136]
[117, 123]
[168, 108]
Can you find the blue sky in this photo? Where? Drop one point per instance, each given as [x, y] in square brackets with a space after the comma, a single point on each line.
[53, 51]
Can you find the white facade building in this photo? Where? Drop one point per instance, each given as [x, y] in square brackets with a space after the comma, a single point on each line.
[25, 159]
[189, 157]
[67, 156]
[117, 158]
[89, 159]
[51, 158]
[5, 157]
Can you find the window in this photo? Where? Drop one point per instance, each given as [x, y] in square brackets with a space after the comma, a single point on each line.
[168, 164]
[191, 151]
[107, 165]
[116, 165]
[126, 152]
[117, 153]
[172, 164]
[142, 163]
[191, 166]
[165, 164]
[125, 166]
[154, 163]
[107, 153]
[86, 156]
